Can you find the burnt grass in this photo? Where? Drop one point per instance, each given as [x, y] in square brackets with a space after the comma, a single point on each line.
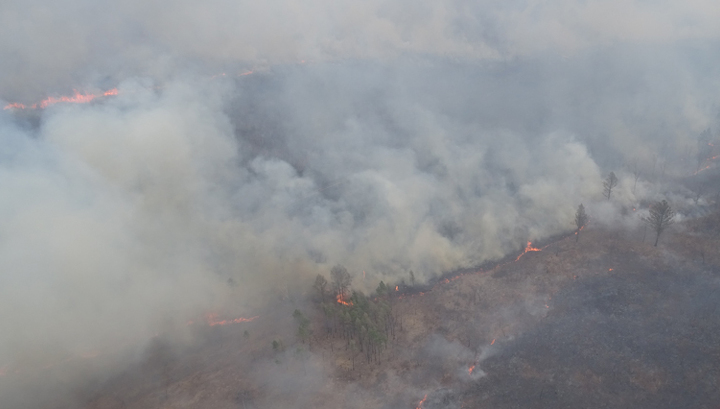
[627, 325]
[606, 322]
[644, 339]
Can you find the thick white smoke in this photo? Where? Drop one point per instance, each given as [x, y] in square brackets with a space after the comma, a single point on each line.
[108, 217]
[386, 136]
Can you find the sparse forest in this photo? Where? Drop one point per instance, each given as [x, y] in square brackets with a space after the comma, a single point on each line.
[365, 323]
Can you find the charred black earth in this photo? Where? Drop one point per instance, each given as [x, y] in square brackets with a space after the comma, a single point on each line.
[644, 335]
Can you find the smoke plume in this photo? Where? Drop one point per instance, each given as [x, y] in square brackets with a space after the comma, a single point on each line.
[253, 145]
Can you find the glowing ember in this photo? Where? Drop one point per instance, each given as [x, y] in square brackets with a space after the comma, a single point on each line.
[396, 288]
[419, 406]
[610, 269]
[707, 166]
[471, 369]
[493, 341]
[213, 321]
[528, 248]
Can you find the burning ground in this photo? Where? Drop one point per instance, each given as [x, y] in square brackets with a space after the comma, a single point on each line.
[605, 321]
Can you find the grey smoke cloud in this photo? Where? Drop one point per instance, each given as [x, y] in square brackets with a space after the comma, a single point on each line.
[104, 221]
[415, 136]
[59, 45]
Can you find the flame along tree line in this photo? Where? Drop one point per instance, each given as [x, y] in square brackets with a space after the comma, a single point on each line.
[366, 324]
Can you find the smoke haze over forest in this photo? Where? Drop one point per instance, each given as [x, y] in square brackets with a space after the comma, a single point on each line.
[252, 145]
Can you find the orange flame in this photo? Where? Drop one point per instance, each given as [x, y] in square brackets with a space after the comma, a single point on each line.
[14, 105]
[493, 341]
[529, 247]
[707, 166]
[396, 288]
[419, 406]
[342, 301]
[77, 98]
[213, 321]
[471, 369]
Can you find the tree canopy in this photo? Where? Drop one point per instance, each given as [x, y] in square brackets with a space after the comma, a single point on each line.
[341, 280]
[609, 184]
[661, 216]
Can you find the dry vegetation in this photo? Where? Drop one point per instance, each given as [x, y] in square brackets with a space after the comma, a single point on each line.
[608, 321]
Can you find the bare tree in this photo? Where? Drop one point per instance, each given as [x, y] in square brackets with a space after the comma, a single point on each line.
[661, 216]
[581, 219]
[609, 184]
[341, 280]
[698, 191]
[320, 286]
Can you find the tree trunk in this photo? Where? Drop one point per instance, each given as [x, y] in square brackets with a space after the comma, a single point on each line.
[644, 233]
[657, 238]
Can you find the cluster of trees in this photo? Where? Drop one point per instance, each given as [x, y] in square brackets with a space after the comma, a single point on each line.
[660, 218]
[366, 324]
